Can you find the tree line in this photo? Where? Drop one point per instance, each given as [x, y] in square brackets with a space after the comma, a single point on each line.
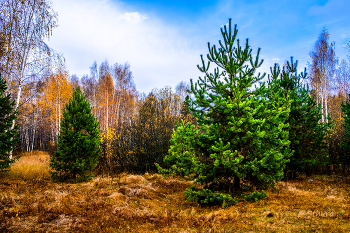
[139, 132]
[329, 80]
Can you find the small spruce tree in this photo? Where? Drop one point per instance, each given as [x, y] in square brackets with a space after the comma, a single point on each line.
[78, 142]
[8, 137]
[345, 144]
[307, 134]
[241, 142]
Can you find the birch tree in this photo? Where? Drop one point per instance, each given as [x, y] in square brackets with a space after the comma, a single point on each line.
[322, 69]
[92, 84]
[125, 94]
[26, 25]
[58, 90]
[105, 95]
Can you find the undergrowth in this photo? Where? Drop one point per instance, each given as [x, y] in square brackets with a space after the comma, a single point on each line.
[31, 202]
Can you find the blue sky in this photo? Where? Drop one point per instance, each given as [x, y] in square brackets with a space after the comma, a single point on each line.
[162, 40]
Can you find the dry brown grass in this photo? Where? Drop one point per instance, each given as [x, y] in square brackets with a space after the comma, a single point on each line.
[149, 203]
[31, 166]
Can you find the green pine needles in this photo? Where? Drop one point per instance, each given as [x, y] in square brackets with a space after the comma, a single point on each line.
[346, 139]
[78, 142]
[8, 137]
[307, 134]
[241, 143]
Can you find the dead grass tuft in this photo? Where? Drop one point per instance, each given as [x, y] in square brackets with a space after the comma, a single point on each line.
[154, 177]
[150, 203]
[137, 190]
[117, 195]
[135, 179]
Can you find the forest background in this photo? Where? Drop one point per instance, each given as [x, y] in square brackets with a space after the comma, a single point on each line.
[136, 128]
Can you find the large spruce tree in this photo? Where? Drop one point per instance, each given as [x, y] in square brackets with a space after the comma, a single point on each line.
[78, 142]
[8, 137]
[241, 142]
[307, 134]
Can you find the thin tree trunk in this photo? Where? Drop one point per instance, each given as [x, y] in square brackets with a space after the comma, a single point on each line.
[107, 112]
[59, 114]
[326, 109]
[34, 130]
[322, 109]
[16, 107]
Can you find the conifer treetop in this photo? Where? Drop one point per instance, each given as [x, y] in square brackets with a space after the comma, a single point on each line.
[233, 62]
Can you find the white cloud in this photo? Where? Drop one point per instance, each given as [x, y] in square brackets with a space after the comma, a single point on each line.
[133, 17]
[92, 30]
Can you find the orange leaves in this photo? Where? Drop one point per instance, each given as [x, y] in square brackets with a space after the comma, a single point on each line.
[58, 90]
[114, 94]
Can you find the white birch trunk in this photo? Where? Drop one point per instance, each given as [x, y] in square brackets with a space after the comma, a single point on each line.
[59, 114]
[322, 110]
[34, 131]
[107, 112]
[16, 107]
[326, 108]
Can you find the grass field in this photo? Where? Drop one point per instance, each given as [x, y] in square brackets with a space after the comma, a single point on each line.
[30, 202]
